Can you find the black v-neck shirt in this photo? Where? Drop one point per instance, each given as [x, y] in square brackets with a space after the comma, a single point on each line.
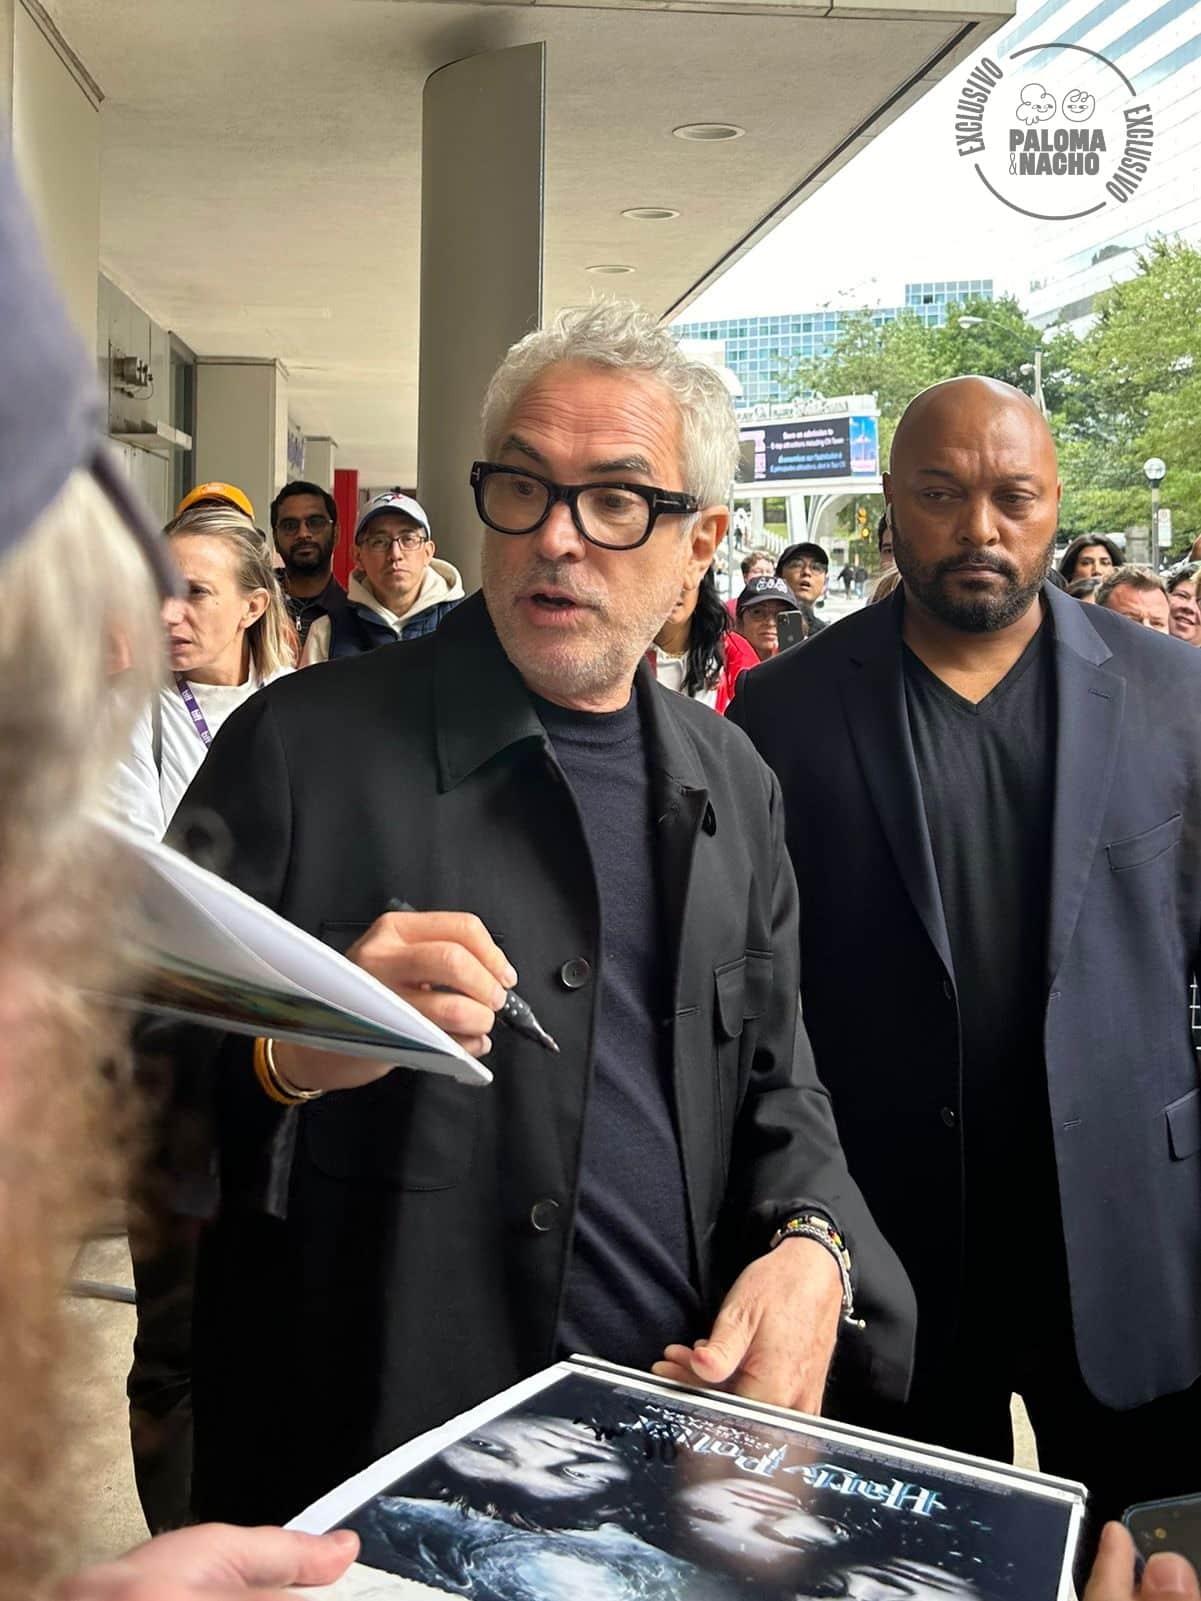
[987, 774]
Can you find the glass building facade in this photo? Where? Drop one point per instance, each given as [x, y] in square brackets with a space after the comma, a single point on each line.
[1158, 48]
[762, 350]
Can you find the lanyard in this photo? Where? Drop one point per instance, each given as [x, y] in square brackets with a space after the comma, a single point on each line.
[194, 712]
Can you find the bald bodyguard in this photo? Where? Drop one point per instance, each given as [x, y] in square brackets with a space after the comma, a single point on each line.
[1019, 1102]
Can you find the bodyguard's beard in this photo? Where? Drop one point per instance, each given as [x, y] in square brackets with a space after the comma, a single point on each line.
[995, 608]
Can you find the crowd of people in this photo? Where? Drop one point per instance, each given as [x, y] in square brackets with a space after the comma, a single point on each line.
[981, 1178]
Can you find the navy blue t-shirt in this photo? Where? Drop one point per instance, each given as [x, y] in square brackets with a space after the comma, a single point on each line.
[631, 1287]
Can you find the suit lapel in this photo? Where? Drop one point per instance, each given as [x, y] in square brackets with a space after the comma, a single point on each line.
[1089, 708]
[874, 701]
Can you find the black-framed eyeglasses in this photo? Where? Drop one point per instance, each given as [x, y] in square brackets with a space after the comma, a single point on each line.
[408, 539]
[614, 516]
[316, 523]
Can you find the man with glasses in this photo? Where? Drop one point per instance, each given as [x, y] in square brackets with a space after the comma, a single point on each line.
[304, 526]
[667, 1190]
[399, 590]
[803, 568]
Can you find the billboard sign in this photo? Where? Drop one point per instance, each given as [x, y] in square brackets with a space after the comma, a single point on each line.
[810, 449]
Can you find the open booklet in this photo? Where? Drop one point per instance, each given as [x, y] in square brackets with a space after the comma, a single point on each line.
[589, 1480]
[208, 953]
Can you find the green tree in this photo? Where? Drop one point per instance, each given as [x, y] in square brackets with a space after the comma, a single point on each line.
[1129, 389]
[1137, 369]
[894, 360]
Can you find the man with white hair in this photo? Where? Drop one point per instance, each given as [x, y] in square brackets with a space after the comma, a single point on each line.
[381, 1260]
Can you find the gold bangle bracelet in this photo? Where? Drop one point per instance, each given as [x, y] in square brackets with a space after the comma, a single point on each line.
[273, 1083]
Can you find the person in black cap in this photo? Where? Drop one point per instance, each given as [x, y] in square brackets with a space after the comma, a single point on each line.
[76, 662]
[803, 568]
[759, 608]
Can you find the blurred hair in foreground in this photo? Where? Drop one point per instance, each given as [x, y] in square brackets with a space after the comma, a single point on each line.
[80, 652]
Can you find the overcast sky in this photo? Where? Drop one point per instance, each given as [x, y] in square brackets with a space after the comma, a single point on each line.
[907, 208]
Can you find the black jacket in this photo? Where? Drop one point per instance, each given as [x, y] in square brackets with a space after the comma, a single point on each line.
[355, 629]
[1124, 917]
[376, 1265]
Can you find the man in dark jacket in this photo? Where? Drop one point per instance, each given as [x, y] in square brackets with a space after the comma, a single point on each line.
[1017, 1095]
[398, 590]
[384, 1257]
[304, 526]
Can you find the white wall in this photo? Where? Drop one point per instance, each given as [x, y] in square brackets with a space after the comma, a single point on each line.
[56, 145]
[320, 453]
[151, 474]
[242, 427]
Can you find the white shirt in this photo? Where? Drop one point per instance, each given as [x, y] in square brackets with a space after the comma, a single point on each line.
[670, 670]
[143, 797]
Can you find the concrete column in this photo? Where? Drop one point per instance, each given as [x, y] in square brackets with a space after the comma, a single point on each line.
[798, 519]
[242, 426]
[319, 453]
[54, 113]
[481, 266]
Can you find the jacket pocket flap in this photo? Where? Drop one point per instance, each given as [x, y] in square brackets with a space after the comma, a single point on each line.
[1184, 1125]
[730, 981]
[1145, 847]
[412, 1129]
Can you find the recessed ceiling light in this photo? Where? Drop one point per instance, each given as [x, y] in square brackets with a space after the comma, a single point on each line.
[709, 132]
[650, 213]
[610, 269]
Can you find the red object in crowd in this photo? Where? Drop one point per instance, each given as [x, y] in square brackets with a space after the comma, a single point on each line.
[737, 655]
[346, 497]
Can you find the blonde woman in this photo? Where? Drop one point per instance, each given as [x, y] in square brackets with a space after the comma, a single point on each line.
[227, 636]
[76, 662]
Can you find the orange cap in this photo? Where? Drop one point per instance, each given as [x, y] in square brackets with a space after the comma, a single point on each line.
[229, 493]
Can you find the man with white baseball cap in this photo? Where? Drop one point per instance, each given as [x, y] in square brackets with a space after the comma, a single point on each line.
[398, 590]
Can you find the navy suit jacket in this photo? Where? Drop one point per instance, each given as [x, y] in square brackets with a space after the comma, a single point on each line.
[1124, 917]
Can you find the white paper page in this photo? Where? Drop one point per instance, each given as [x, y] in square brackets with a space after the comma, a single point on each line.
[202, 924]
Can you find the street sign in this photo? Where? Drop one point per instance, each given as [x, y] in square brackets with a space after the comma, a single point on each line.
[1165, 528]
[817, 406]
[1138, 545]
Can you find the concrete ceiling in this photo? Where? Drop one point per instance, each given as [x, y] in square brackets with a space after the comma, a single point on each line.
[261, 160]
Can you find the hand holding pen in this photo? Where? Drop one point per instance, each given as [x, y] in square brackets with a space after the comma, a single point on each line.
[446, 964]
[518, 1014]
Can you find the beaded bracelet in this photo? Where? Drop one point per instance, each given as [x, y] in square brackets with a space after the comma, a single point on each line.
[812, 1226]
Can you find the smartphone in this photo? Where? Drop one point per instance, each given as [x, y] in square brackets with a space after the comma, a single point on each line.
[1172, 1525]
[790, 629]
